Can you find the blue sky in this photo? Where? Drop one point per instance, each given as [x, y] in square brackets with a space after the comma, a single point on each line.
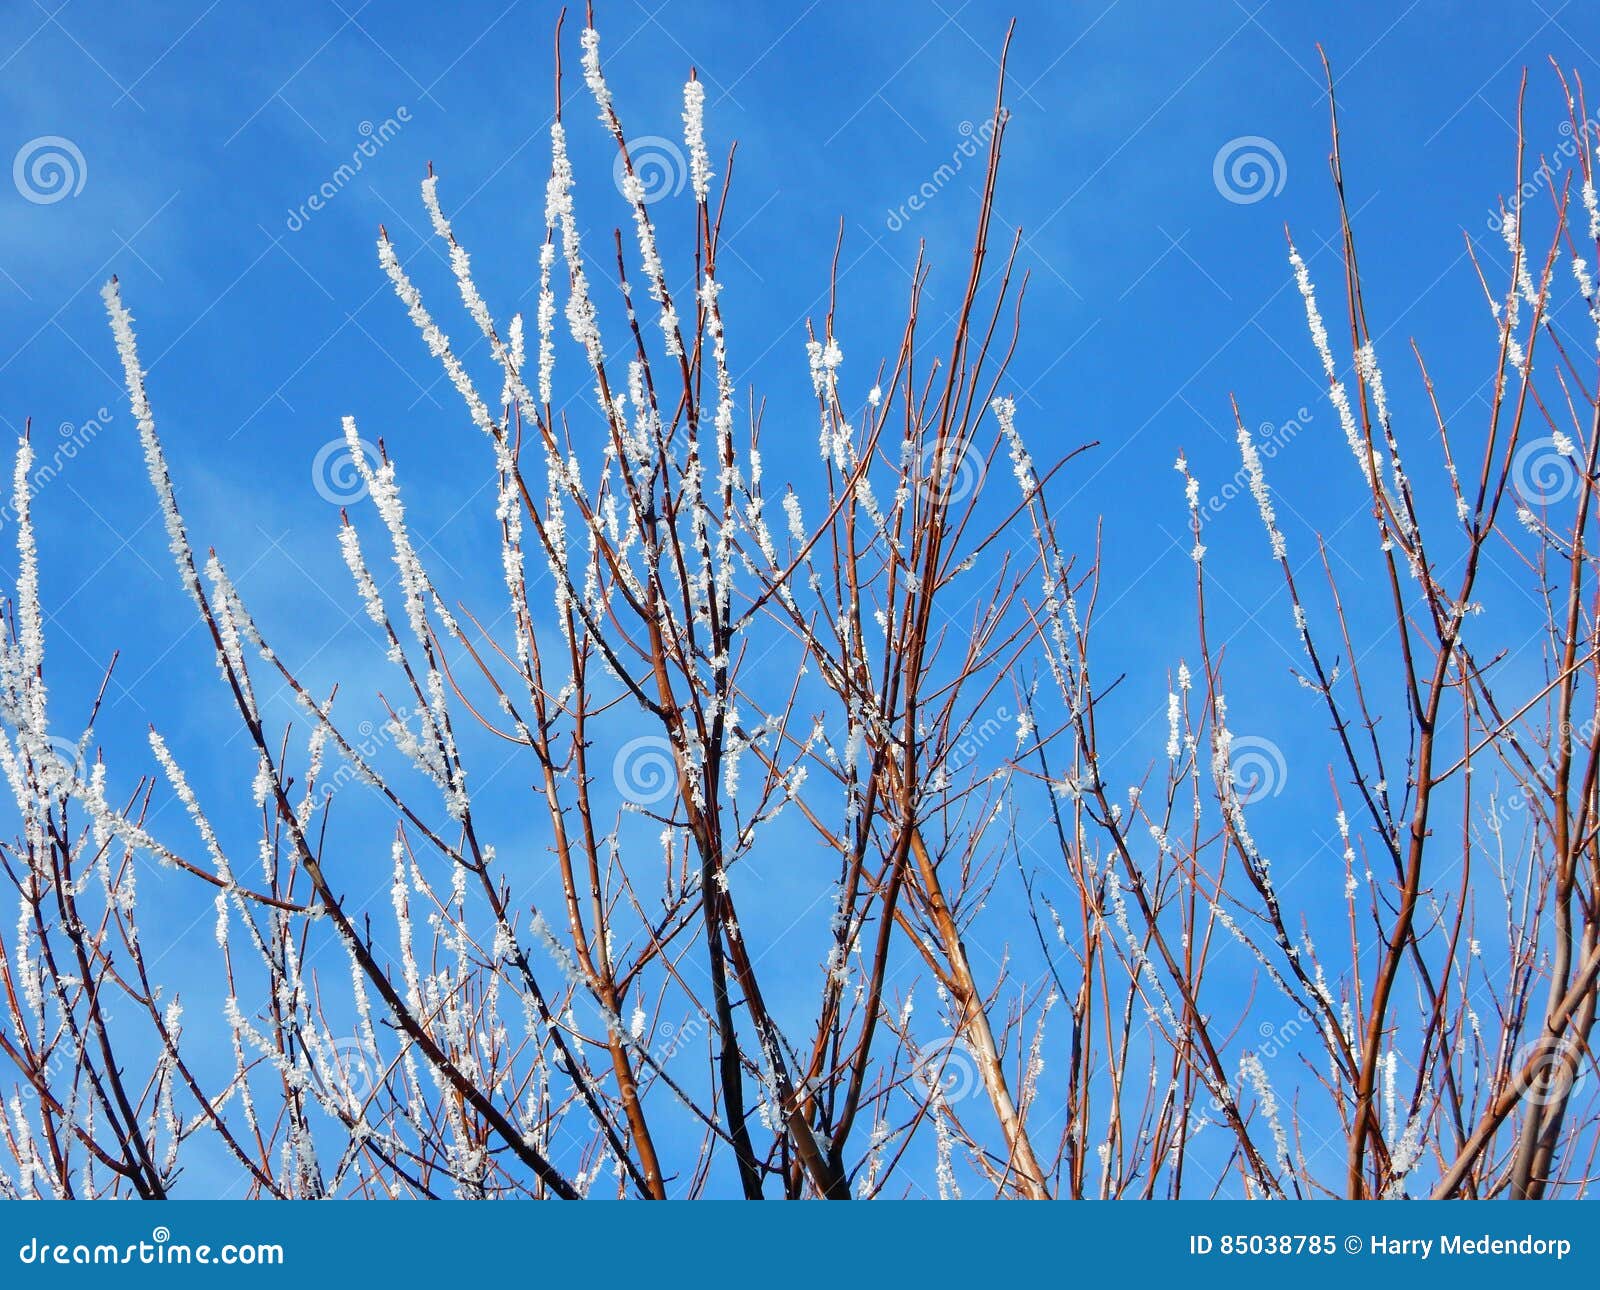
[199, 133]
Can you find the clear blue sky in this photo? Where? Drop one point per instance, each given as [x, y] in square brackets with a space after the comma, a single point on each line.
[203, 129]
